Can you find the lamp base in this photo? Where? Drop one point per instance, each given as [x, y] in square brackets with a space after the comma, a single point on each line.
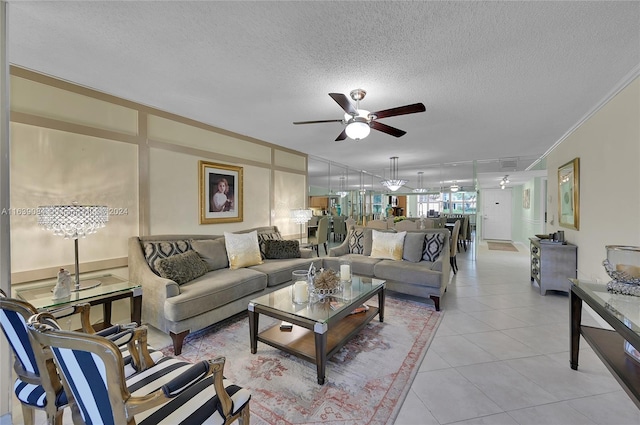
[86, 284]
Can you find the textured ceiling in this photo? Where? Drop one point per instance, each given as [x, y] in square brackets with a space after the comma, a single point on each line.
[498, 79]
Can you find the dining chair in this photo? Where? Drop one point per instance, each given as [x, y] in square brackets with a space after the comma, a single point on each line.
[322, 236]
[406, 225]
[169, 391]
[339, 228]
[377, 224]
[454, 246]
[350, 223]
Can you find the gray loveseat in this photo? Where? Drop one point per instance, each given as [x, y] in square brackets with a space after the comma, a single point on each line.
[221, 292]
[424, 270]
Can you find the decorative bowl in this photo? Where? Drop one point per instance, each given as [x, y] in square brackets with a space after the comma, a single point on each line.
[623, 263]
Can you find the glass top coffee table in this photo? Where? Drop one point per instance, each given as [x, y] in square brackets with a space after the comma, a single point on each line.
[319, 329]
[112, 288]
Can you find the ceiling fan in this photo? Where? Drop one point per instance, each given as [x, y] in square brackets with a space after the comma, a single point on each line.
[359, 122]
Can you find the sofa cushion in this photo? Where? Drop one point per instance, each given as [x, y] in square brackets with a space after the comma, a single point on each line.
[360, 264]
[212, 251]
[214, 289]
[242, 249]
[279, 271]
[277, 249]
[403, 271]
[182, 268]
[157, 250]
[387, 245]
[413, 246]
[433, 245]
[263, 237]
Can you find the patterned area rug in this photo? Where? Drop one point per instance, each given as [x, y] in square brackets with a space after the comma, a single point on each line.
[366, 382]
[502, 246]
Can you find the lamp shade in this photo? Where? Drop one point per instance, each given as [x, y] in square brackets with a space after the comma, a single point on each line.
[357, 130]
[301, 215]
[73, 221]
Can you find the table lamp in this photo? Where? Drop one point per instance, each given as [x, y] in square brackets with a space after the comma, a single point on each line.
[72, 222]
[301, 216]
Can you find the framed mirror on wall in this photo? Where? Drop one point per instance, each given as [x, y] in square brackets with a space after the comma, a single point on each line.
[569, 194]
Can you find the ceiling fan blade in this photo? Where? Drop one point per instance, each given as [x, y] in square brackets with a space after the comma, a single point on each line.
[400, 110]
[316, 122]
[342, 135]
[387, 129]
[344, 103]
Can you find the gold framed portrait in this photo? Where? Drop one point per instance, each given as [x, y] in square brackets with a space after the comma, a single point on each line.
[220, 188]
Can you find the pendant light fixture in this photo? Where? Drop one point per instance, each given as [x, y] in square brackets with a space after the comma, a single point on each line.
[454, 187]
[420, 188]
[342, 192]
[393, 183]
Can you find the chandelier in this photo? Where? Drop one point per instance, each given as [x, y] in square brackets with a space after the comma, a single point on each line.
[343, 191]
[72, 222]
[420, 188]
[393, 183]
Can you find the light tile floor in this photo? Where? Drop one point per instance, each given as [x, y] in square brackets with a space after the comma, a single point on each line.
[499, 357]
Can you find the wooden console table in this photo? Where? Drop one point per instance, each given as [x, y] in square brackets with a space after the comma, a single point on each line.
[622, 312]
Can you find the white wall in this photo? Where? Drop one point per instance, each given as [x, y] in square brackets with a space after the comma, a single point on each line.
[608, 145]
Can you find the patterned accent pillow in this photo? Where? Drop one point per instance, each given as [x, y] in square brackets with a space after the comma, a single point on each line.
[387, 245]
[276, 249]
[182, 268]
[242, 249]
[157, 250]
[263, 237]
[433, 244]
[356, 241]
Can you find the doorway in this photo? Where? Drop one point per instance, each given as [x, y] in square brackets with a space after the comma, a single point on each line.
[496, 214]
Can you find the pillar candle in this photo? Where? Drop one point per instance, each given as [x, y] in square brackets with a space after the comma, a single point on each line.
[345, 272]
[300, 292]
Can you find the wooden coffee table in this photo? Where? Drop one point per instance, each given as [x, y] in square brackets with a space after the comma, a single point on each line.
[319, 330]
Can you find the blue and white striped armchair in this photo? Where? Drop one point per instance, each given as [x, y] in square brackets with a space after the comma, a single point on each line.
[168, 391]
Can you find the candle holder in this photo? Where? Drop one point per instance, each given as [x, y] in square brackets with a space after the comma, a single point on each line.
[345, 270]
[300, 287]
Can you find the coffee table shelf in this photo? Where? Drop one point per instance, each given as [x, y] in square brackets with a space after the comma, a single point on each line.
[319, 331]
[301, 342]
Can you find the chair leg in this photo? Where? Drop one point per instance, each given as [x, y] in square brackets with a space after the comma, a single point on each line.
[245, 417]
[325, 250]
[455, 262]
[28, 414]
[452, 265]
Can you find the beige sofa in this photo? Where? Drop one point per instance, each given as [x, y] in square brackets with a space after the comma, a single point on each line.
[424, 270]
[218, 294]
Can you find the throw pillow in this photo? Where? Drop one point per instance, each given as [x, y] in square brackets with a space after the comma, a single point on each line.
[387, 245]
[267, 236]
[182, 268]
[413, 247]
[157, 250]
[242, 249]
[433, 245]
[275, 250]
[356, 241]
[212, 251]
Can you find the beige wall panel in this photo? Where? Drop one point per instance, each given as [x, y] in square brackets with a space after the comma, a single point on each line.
[608, 145]
[290, 160]
[174, 201]
[55, 167]
[39, 99]
[289, 192]
[164, 130]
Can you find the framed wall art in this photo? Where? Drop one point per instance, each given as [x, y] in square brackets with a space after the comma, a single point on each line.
[569, 194]
[526, 199]
[220, 188]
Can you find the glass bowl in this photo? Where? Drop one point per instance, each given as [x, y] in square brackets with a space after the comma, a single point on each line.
[623, 263]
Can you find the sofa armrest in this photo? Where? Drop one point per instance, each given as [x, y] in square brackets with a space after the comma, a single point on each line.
[342, 249]
[155, 289]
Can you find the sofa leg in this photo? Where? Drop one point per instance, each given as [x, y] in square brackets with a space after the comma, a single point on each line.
[436, 301]
[178, 339]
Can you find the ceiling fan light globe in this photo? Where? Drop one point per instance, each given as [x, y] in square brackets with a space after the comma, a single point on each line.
[357, 130]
